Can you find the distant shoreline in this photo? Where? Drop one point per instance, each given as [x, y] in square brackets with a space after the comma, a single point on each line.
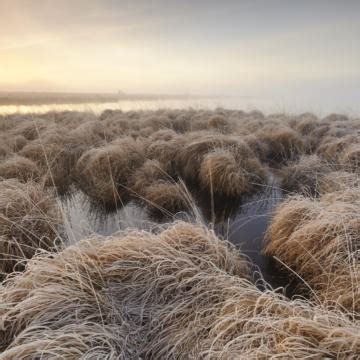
[49, 98]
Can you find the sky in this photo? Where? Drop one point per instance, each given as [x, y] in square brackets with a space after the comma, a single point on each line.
[243, 47]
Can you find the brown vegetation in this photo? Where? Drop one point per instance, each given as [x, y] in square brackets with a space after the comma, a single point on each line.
[19, 167]
[303, 176]
[178, 291]
[104, 173]
[338, 180]
[29, 220]
[164, 199]
[318, 239]
[350, 158]
[223, 173]
[181, 292]
[284, 144]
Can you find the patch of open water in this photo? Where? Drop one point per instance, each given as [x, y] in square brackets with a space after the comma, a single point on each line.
[243, 224]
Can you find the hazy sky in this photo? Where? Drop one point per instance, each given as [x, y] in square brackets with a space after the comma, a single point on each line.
[245, 47]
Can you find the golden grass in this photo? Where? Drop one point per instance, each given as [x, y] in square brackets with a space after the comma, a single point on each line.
[338, 180]
[350, 158]
[284, 143]
[55, 156]
[104, 173]
[304, 176]
[223, 173]
[29, 220]
[181, 292]
[164, 199]
[306, 123]
[30, 129]
[220, 123]
[332, 147]
[318, 239]
[19, 167]
[151, 171]
[178, 291]
[165, 151]
[191, 155]
[260, 148]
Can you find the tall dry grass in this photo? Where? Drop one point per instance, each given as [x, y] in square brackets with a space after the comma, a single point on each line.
[19, 167]
[104, 173]
[319, 240]
[178, 291]
[223, 173]
[181, 292]
[305, 175]
[30, 220]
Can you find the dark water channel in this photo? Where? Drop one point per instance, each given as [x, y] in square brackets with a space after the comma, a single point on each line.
[246, 228]
[243, 224]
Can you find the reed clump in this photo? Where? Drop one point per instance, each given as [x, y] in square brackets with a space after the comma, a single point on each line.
[318, 239]
[304, 176]
[104, 174]
[284, 143]
[164, 199]
[222, 173]
[30, 219]
[150, 172]
[338, 180]
[350, 158]
[191, 155]
[55, 156]
[179, 292]
[19, 167]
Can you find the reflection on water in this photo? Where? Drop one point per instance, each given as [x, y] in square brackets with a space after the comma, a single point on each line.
[244, 226]
[247, 227]
[81, 222]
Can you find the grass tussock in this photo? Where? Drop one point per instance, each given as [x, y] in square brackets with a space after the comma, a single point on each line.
[29, 220]
[104, 173]
[338, 180]
[150, 172]
[192, 154]
[30, 129]
[284, 143]
[224, 174]
[19, 167]
[180, 292]
[55, 156]
[165, 151]
[304, 176]
[164, 199]
[350, 158]
[332, 147]
[178, 139]
[318, 239]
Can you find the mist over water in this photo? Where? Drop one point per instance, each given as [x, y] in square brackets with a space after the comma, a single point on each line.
[266, 104]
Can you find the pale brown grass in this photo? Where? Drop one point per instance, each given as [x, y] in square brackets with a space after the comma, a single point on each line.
[141, 295]
[30, 219]
[318, 240]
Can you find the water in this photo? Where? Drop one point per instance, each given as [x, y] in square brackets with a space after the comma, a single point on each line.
[246, 229]
[243, 224]
[246, 103]
[81, 221]
[243, 103]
